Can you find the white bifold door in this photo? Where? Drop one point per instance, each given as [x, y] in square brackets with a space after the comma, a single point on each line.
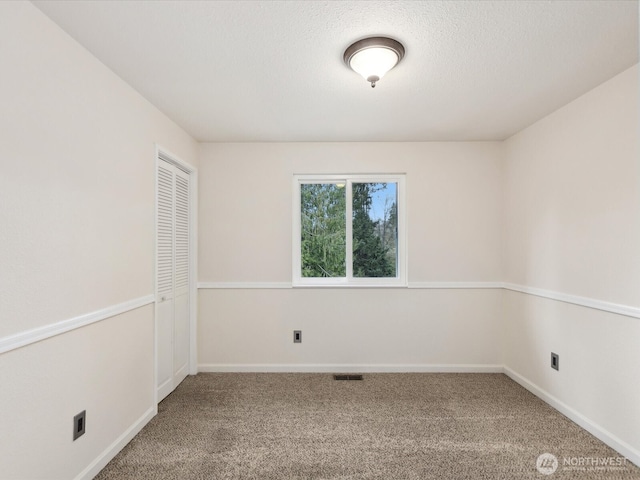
[172, 282]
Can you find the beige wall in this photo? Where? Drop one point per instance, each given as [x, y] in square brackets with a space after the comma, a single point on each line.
[597, 384]
[572, 226]
[246, 201]
[77, 215]
[572, 197]
[350, 329]
[105, 368]
[245, 236]
[77, 179]
[555, 207]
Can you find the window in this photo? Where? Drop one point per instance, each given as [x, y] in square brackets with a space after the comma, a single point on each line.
[349, 230]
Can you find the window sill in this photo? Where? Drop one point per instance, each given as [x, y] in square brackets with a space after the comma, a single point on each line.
[348, 285]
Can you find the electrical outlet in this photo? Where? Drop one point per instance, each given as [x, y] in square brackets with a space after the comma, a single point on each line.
[555, 361]
[79, 424]
[297, 336]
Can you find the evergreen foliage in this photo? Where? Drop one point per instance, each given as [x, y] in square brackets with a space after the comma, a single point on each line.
[323, 241]
[370, 255]
[323, 230]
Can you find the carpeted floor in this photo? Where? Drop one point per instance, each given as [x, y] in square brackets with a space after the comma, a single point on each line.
[388, 426]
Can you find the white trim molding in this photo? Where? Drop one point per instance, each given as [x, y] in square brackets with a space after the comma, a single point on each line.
[414, 285]
[596, 430]
[244, 285]
[455, 285]
[346, 368]
[602, 305]
[626, 310]
[38, 334]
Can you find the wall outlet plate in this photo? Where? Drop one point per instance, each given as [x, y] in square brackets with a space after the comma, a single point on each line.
[555, 361]
[297, 336]
[79, 424]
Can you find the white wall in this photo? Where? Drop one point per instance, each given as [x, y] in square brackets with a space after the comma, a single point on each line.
[561, 199]
[105, 368]
[77, 236]
[572, 197]
[245, 237]
[572, 226]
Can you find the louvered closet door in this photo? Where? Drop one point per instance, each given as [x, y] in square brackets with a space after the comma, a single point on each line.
[172, 283]
[181, 278]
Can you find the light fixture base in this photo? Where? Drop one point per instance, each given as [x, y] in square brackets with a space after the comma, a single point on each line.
[370, 42]
[372, 57]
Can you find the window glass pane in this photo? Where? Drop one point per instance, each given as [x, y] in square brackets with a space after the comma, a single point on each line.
[375, 229]
[323, 239]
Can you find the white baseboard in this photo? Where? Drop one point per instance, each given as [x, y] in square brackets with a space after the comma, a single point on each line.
[349, 368]
[596, 430]
[105, 457]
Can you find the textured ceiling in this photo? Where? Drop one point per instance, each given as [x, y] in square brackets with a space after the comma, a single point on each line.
[236, 71]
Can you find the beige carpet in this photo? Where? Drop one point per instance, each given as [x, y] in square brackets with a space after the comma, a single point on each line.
[388, 426]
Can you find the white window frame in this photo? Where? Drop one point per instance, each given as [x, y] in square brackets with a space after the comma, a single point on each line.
[400, 280]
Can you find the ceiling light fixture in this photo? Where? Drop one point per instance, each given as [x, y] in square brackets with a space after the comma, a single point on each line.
[373, 57]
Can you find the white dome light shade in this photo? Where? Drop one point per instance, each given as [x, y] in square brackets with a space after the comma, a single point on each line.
[374, 62]
[373, 57]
